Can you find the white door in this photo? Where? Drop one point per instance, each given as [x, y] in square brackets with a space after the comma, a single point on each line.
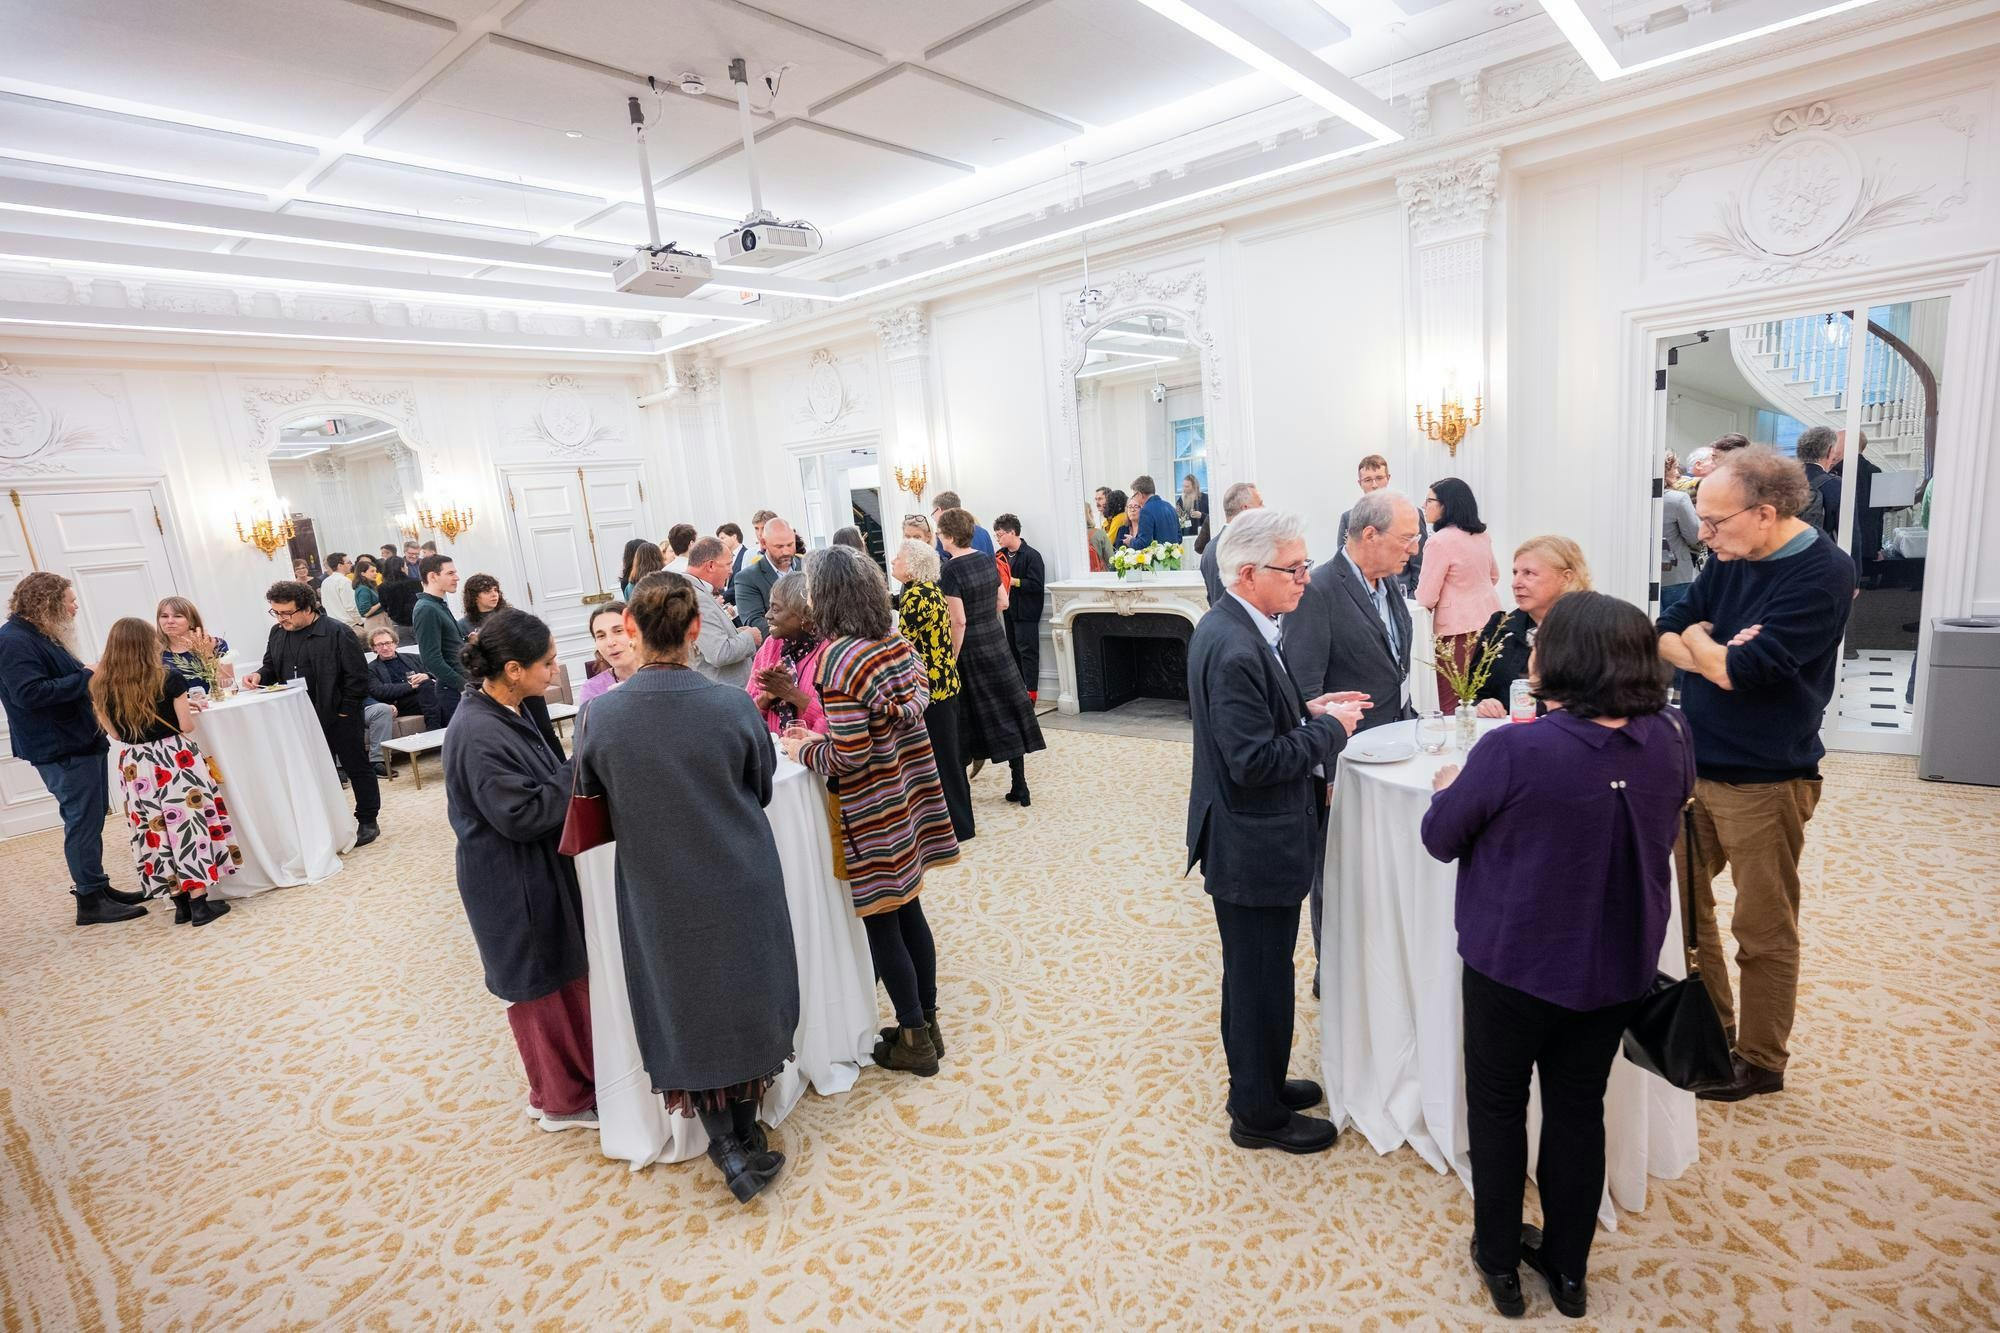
[570, 551]
[111, 546]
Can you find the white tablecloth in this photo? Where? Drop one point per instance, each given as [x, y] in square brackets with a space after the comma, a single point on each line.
[837, 1023]
[1392, 1024]
[291, 818]
[1423, 649]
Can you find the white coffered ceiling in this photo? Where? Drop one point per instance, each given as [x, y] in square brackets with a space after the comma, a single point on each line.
[449, 147]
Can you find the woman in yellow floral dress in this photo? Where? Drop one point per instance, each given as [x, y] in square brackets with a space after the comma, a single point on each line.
[923, 619]
[174, 805]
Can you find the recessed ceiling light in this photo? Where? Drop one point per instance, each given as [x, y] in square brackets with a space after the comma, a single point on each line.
[572, 134]
[1596, 52]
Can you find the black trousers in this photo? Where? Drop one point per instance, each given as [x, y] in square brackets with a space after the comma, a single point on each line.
[1258, 1004]
[347, 738]
[447, 698]
[905, 958]
[1507, 1033]
[941, 721]
[1026, 636]
[424, 704]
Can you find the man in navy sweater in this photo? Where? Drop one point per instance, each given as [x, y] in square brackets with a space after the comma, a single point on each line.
[46, 693]
[1759, 637]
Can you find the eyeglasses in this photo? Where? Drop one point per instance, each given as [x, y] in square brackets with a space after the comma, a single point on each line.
[1714, 525]
[276, 614]
[1298, 573]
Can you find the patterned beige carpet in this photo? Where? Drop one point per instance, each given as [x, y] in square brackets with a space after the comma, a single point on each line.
[309, 1114]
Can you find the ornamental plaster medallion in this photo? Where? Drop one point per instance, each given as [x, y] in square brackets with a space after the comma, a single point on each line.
[26, 427]
[1802, 193]
[564, 416]
[825, 395]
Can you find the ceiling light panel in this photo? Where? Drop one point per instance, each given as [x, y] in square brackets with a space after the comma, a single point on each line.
[813, 173]
[370, 183]
[103, 138]
[1619, 38]
[933, 114]
[626, 223]
[249, 61]
[509, 108]
[664, 39]
[365, 261]
[90, 178]
[374, 217]
[1091, 61]
[891, 26]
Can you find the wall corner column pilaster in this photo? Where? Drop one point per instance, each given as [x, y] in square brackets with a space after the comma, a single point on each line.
[905, 338]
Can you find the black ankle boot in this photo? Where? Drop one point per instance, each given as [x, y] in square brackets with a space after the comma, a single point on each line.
[746, 1173]
[123, 896]
[206, 909]
[743, 1117]
[97, 909]
[1018, 791]
[182, 909]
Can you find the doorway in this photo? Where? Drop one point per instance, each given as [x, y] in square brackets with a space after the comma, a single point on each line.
[843, 489]
[1853, 392]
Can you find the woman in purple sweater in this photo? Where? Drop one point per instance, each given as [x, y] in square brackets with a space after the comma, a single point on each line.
[1563, 830]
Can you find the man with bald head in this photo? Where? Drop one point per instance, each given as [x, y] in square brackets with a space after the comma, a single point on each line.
[750, 591]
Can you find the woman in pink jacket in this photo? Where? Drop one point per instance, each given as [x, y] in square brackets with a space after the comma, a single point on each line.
[784, 675]
[1459, 576]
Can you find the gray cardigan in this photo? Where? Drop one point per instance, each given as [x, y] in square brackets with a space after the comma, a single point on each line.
[1680, 538]
[723, 651]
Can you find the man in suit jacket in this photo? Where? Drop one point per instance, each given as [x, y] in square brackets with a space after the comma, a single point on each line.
[1373, 475]
[1352, 628]
[723, 651]
[750, 591]
[1256, 812]
[1237, 499]
[1158, 520]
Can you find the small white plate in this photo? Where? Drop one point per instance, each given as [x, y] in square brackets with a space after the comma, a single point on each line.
[1381, 752]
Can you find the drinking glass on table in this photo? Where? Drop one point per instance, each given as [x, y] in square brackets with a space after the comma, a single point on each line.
[225, 679]
[1434, 732]
[197, 695]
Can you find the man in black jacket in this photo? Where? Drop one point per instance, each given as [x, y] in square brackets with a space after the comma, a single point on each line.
[1351, 630]
[326, 653]
[1256, 810]
[46, 693]
[393, 680]
[1025, 597]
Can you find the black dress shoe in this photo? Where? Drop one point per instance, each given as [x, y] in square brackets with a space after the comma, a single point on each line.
[1300, 1094]
[1299, 1134]
[1504, 1288]
[381, 769]
[366, 833]
[121, 896]
[96, 909]
[1567, 1292]
[1750, 1081]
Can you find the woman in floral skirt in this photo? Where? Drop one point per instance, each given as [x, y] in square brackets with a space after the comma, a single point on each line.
[173, 793]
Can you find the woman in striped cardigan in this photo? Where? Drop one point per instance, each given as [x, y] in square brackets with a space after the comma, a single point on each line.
[891, 823]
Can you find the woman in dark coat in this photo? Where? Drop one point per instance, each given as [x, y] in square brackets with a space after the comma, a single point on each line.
[686, 767]
[506, 794]
[996, 720]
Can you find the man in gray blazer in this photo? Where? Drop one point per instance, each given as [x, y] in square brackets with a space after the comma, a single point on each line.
[1239, 498]
[723, 651]
[750, 590]
[1351, 630]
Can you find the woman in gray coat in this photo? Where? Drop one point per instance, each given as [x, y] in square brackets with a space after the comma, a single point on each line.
[686, 767]
[506, 793]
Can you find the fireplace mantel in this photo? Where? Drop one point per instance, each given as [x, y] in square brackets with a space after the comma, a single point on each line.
[1181, 593]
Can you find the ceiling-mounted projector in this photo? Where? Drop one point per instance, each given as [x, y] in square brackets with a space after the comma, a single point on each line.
[760, 240]
[661, 271]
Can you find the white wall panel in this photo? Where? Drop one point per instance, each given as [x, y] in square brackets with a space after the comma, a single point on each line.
[992, 369]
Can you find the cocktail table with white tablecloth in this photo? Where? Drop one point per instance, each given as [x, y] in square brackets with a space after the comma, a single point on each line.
[291, 819]
[837, 1021]
[1391, 1020]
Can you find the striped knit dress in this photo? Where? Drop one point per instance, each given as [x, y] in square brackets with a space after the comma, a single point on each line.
[893, 820]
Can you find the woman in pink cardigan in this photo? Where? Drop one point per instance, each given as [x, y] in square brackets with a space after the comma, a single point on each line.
[1459, 576]
[784, 675]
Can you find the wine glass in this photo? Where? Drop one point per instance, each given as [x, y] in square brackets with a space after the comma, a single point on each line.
[1434, 732]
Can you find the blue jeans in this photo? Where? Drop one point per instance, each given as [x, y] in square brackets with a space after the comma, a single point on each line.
[81, 785]
[1671, 593]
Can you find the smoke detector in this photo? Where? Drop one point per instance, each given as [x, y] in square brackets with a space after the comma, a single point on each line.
[693, 85]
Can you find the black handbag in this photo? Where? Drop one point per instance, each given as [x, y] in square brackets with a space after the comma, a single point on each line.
[1675, 1032]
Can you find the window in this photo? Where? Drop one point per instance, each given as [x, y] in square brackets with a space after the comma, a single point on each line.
[1190, 451]
[1777, 430]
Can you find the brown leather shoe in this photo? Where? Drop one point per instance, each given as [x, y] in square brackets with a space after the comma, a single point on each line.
[1749, 1081]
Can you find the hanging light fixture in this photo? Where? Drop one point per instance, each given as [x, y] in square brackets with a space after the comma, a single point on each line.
[1089, 301]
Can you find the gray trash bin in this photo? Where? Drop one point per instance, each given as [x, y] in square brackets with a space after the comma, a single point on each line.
[1962, 709]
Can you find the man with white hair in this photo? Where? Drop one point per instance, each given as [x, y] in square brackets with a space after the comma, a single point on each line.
[1240, 498]
[752, 587]
[1352, 628]
[1256, 812]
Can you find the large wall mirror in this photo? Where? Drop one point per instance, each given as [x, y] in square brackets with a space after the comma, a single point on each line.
[1141, 410]
[351, 483]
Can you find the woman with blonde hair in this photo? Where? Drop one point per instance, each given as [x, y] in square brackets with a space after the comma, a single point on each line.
[1545, 568]
[174, 808]
[186, 646]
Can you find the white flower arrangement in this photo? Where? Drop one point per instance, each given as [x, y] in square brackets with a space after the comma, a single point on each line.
[1160, 556]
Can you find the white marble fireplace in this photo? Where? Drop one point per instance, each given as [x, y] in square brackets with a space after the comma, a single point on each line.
[1148, 607]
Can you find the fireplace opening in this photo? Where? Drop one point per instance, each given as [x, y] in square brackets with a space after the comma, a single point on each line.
[1122, 658]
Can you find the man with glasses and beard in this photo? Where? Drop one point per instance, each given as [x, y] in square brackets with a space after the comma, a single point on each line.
[46, 693]
[326, 653]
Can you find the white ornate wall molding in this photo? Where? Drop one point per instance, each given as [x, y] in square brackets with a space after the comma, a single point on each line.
[1448, 208]
[829, 395]
[905, 337]
[1820, 187]
[1450, 198]
[563, 422]
[903, 332]
[55, 422]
